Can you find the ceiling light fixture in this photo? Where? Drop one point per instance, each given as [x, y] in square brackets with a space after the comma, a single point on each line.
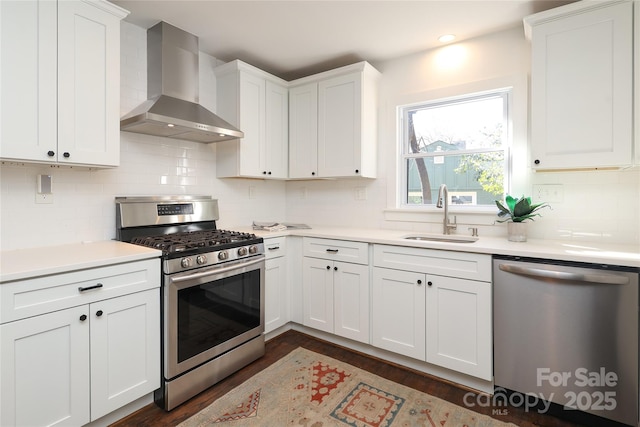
[170, 125]
[446, 38]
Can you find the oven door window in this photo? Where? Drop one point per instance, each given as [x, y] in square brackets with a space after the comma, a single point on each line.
[212, 313]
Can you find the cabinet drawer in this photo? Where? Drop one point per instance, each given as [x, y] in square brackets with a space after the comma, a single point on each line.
[338, 250]
[275, 247]
[26, 298]
[431, 261]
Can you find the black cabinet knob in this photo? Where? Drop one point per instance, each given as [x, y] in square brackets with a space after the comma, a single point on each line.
[335, 268]
[269, 173]
[357, 171]
[51, 153]
[66, 154]
[328, 267]
[429, 283]
[419, 282]
[536, 161]
[83, 317]
[313, 173]
[99, 313]
[264, 172]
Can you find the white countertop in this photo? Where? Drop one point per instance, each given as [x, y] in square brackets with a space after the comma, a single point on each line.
[599, 253]
[27, 263]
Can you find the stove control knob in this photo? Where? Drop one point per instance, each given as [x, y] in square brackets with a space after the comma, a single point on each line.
[222, 255]
[186, 262]
[201, 259]
[253, 249]
[242, 251]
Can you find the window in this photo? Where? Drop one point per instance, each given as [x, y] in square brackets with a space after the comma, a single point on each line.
[461, 142]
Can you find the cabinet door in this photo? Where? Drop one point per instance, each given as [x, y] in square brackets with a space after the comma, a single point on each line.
[276, 307]
[459, 333]
[339, 126]
[277, 130]
[252, 123]
[89, 85]
[28, 34]
[44, 370]
[398, 312]
[351, 301]
[317, 279]
[582, 89]
[125, 350]
[303, 131]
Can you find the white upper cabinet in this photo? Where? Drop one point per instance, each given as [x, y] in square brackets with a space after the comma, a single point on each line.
[258, 104]
[60, 83]
[582, 86]
[303, 131]
[333, 123]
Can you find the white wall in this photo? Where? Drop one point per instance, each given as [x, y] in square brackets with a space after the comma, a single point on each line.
[596, 206]
[83, 207]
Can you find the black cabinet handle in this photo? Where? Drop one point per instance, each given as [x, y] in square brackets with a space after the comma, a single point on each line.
[99, 313]
[51, 153]
[419, 282]
[88, 288]
[264, 172]
[328, 267]
[66, 154]
[335, 268]
[536, 161]
[332, 251]
[274, 248]
[313, 173]
[429, 283]
[269, 173]
[83, 317]
[357, 171]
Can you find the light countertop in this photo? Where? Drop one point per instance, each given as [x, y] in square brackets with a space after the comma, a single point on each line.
[27, 263]
[599, 253]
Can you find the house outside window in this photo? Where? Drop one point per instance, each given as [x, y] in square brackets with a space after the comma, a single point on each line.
[461, 142]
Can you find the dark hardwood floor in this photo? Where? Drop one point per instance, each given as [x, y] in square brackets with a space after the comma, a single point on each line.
[153, 416]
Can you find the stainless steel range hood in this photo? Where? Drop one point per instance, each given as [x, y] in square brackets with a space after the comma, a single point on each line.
[172, 109]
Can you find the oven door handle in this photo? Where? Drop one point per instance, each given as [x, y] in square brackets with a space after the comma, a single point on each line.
[217, 271]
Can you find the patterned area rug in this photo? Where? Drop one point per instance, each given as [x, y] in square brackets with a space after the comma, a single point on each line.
[308, 389]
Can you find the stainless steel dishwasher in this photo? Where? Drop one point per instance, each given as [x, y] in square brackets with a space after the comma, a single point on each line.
[568, 333]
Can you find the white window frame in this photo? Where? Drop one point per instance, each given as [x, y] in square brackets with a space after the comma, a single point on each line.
[502, 92]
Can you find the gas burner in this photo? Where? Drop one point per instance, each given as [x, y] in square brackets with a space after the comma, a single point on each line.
[194, 241]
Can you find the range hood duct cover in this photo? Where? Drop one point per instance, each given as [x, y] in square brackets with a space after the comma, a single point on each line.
[172, 109]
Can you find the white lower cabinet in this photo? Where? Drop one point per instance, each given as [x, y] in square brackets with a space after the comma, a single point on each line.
[336, 293]
[70, 366]
[398, 308]
[459, 333]
[443, 320]
[276, 306]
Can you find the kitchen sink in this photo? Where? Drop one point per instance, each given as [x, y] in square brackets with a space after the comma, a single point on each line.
[440, 238]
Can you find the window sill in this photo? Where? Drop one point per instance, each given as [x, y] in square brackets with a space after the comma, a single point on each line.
[466, 215]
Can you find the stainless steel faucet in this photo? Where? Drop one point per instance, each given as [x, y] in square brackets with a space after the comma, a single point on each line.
[443, 201]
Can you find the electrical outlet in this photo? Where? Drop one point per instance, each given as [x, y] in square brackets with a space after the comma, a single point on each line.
[551, 193]
[44, 198]
[360, 193]
[252, 192]
[303, 192]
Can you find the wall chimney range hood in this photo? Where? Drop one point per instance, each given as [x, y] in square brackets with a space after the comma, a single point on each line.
[172, 109]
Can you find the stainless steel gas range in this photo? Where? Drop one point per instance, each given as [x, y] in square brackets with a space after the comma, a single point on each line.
[212, 291]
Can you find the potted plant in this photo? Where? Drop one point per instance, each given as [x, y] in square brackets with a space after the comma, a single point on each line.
[515, 213]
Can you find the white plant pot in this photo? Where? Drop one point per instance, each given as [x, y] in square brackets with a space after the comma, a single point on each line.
[517, 231]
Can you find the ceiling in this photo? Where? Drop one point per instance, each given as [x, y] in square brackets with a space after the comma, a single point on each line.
[292, 39]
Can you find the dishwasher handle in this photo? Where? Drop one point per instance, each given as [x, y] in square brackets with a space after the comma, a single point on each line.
[607, 279]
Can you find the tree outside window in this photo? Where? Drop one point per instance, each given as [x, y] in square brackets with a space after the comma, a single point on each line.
[460, 142]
